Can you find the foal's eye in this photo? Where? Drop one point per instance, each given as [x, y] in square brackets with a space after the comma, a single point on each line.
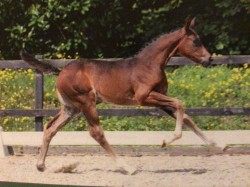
[197, 42]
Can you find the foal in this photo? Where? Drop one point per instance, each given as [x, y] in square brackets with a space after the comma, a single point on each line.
[139, 80]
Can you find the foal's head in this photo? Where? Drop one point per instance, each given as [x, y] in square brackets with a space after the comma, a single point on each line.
[191, 46]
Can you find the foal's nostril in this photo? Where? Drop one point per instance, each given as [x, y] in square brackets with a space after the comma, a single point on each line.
[211, 59]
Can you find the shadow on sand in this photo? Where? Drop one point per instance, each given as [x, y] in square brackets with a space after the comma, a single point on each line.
[188, 170]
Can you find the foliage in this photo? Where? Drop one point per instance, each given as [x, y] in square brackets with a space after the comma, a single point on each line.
[116, 28]
[215, 87]
[219, 86]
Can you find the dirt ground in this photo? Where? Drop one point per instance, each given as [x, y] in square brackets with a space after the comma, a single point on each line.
[152, 171]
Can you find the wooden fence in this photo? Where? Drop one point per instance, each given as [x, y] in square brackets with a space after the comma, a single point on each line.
[39, 112]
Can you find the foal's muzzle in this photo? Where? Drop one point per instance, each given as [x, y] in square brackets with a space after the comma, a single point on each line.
[206, 61]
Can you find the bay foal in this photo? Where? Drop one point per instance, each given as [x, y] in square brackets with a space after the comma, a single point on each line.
[139, 80]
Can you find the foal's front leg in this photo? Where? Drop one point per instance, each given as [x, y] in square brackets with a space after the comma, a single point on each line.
[160, 100]
[188, 122]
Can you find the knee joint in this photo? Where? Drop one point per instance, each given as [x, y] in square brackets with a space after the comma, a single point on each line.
[179, 105]
[177, 135]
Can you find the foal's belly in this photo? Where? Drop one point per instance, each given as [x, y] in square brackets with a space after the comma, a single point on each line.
[117, 99]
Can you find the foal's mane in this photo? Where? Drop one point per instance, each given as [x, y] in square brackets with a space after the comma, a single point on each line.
[155, 40]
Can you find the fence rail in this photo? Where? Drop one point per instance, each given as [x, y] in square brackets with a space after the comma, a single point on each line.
[174, 61]
[138, 138]
[39, 112]
[131, 112]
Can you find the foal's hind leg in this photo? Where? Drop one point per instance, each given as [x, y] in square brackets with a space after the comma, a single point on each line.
[87, 105]
[97, 133]
[50, 129]
[95, 129]
[88, 108]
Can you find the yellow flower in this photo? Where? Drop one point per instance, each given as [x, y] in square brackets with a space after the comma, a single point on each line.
[5, 121]
[29, 71]
[59, 55]
[170, 81]
[236, 70]
[245, 66]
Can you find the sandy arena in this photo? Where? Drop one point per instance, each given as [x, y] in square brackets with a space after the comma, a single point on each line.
[152, 171]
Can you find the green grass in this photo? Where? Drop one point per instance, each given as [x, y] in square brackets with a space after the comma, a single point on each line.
[219, 86]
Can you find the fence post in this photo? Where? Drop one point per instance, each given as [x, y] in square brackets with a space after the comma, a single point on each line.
[3, 149]
[39, 97]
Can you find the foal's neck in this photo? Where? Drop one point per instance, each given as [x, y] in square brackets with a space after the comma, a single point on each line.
[158, 51]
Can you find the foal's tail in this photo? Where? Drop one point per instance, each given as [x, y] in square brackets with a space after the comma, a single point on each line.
[40, 66]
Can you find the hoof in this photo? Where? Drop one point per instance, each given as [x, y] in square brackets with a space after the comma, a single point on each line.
[40, 167]
[225, 148]
[222, 146]
[164, 144]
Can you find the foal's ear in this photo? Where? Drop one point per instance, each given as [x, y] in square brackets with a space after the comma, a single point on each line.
[189, 24]
[192, 23]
